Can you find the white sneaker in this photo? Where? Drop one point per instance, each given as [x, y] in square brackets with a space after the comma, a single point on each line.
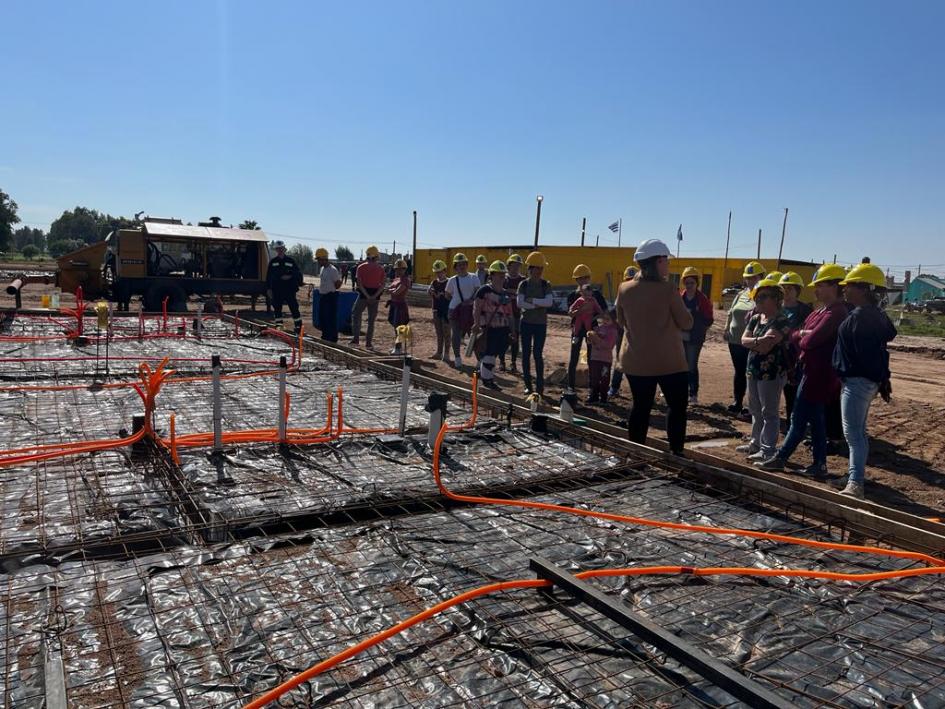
[746, 448]
[458, 363]
[854, 489]
[611, 392]
[693, 399]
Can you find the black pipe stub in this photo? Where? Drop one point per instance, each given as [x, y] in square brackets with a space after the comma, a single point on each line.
[80, 341]
[283, 364]
[571, 399]
[436, 401]
[539, 423]
[137, 424]
[215, 360]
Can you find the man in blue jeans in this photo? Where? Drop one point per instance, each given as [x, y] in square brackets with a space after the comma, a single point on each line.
[862, 363]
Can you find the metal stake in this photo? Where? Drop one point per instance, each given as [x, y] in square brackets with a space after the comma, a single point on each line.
[404, 394]
[217, 406]
[282, 374]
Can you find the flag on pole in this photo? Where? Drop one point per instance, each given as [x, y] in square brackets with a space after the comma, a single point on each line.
[679, 233]
[614, 227]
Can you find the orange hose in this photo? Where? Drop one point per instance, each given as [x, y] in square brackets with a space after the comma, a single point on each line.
[518, 584]
[678, 526]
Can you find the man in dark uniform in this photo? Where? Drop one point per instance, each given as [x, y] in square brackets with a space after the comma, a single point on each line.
[283, 278]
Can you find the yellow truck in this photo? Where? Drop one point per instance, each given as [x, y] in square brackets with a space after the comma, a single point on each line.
[164, 258]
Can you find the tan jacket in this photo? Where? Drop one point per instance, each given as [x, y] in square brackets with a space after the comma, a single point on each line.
[653, 316]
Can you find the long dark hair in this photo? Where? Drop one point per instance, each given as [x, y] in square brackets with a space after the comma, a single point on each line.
[649, 270]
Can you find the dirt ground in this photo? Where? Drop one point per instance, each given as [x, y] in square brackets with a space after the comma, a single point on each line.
[906, 466]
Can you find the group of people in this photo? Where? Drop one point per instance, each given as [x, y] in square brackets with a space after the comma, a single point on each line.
[834, 357]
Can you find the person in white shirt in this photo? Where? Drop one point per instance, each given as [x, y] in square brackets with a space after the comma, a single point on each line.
[461, 289]
[329, 283]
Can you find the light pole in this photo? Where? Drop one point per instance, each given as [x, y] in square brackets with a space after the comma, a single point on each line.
[539, 199]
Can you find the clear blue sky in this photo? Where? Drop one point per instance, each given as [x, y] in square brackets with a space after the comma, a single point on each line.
[333, 122]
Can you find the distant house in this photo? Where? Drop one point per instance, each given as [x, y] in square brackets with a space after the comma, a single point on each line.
[925, 287]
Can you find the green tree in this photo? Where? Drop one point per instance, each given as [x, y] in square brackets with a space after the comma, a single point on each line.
[8, 218]
[29, 252]
[343, 253]
[249, 224]
[86, 225]
[64, 246]
[303, 256]
[27, 235]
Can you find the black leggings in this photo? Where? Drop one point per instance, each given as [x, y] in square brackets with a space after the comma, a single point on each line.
[739, 356]
[676, 391]
[576, 344]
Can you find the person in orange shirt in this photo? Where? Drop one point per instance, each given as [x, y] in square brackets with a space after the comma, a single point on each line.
[370, 278]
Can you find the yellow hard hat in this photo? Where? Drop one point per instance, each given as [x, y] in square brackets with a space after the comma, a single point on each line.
[629, 272]
[515, 258]
[866, 274]
[792, 279]
[481, 259]
[372, 252]
[753, 268]
[498, 267]
[438, 266]
[766, 283]
[536, 259]
[828, 272]
[321, 253]
[400, 263]
[774, 276]
[690, 272]
[581, 271]
[459, 258]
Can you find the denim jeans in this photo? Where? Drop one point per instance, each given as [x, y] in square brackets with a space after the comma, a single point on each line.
[855, 399]
[804, 413]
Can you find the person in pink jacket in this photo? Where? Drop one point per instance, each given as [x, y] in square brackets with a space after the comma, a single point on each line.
[602, 340]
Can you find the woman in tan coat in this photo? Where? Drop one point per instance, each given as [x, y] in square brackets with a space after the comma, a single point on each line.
[653, 316]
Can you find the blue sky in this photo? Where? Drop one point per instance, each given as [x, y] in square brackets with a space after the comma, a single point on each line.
[333, 121]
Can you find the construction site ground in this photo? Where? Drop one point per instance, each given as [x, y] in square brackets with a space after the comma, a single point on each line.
[907, 458]
[905, 471]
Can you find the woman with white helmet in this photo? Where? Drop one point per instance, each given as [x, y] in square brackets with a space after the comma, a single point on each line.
[735, 324]
[653, 317]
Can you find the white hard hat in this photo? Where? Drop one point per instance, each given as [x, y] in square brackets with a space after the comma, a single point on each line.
[279, 244]
[649, 249]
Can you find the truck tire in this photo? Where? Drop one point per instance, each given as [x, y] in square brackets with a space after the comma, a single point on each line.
[155, 295]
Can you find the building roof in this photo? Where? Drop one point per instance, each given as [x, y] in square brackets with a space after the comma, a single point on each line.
[183, 231]
[933, 281]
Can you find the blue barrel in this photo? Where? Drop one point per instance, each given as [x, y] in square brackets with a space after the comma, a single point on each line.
[345, 306]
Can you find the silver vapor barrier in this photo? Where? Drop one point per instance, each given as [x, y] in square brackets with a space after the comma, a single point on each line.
[213, 626]
[130, 580]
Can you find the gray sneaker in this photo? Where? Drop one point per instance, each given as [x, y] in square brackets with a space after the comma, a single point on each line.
[746, 448]
[773, 464]
[854, 489]
[757, 457]
[816, 470]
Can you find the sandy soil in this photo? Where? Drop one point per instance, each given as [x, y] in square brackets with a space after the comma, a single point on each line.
[907, 458]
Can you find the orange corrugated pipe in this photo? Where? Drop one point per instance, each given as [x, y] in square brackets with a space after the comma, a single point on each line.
[329, 663]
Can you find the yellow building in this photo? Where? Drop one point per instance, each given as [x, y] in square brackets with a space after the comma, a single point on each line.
[607, 264]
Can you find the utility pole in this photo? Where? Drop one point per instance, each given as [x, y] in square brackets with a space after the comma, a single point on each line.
[781, 248]
[538, 199]
[583, 226]
[414, 252]
[728, 235]
[394, 249]
[619, 229]
[759, 245]
[597, 243]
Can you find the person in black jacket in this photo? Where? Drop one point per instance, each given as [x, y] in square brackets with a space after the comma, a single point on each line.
[862, 363]
[283, 279]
